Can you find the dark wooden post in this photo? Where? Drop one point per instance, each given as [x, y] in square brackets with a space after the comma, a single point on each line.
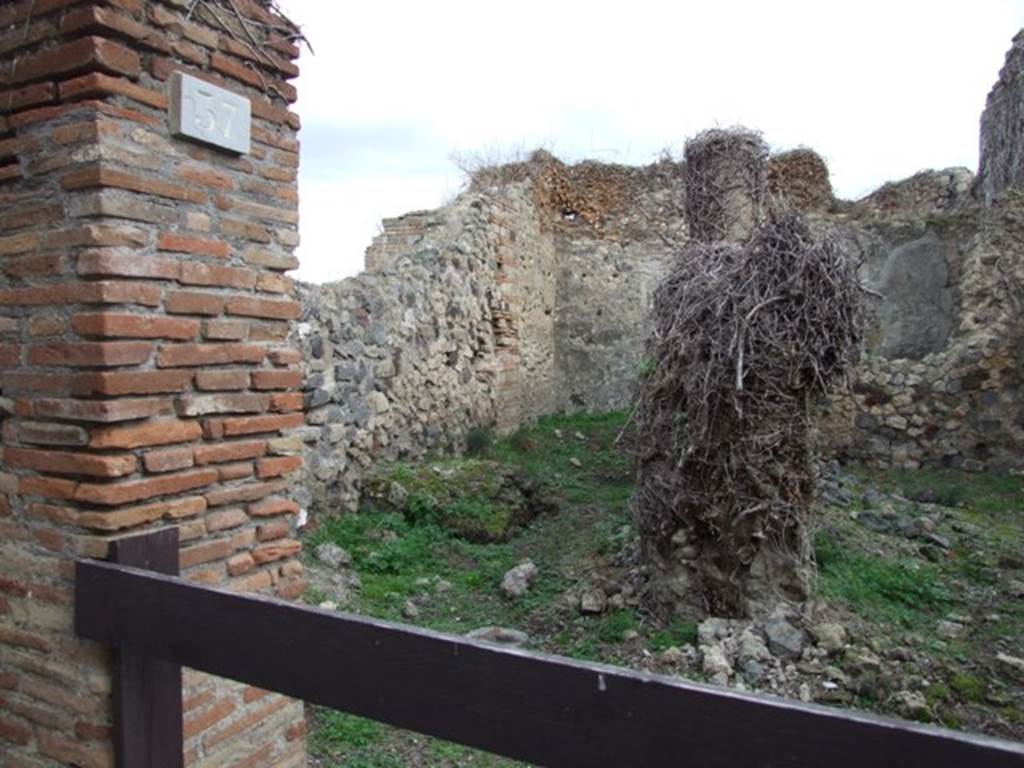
[147, 691]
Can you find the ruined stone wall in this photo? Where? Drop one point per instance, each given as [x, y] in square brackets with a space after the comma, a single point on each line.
[398, 236]
[408, 358]
[1002, 129]
[145, 370]
[505, 309]
[939, 383]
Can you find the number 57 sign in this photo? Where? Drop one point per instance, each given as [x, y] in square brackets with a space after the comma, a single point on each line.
[209, 114]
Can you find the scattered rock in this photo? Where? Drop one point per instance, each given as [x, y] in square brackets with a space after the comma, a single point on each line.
[575, 462]
[593, 600]
[715, 664]
[328, 605]
[1011, 662]
[710, 630]
[500, 636]
[1015, 588]
[672, 657]
[950, 630]
[911, 705]
[829, 636]
[517, 580]
[442, 586]
[333, 556]
[784, 639]
[409, 610]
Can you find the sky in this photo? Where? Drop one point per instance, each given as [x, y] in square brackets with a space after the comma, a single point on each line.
[395, 96]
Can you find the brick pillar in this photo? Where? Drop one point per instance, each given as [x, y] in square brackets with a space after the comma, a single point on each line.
[146, 374]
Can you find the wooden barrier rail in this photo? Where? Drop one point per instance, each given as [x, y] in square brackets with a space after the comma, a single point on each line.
[547, 710]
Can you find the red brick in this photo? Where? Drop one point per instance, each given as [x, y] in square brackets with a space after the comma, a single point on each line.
[279, 465]
[168, 459]
[107, 324]
[161, 432]
[276, 379]
[230, 451]
[285, 356]
[273, 508]
[271, 283]
[50, 433]
[240, 563]
[130, 382]
[113, 494]
[196, 724]
[26, 383]
[290, 589]
[69, 752]
[209, 354]
[225, 519]
[248, 492]
[222, 380]
[96, 353]
[249, 425]
[10, 354]
[226, 330]
[98, 84]
[222, 277]
[278, 550]
[198, 246]
[98, 410]
[21, 243]
[130, 517]
[93, 731]
[277, 309]
[194, 303]
[272, 531]
[235, 471]
[13, 732]
[102, 292]
[208, 551]
[94, 17]
[283, 402]
[29, 96]
[110, 262]
[35, 266]
[97, 235]
[47, 487]
[70, 463]
[205, 177]
[103, 176]
[224, 402]
[78, 54]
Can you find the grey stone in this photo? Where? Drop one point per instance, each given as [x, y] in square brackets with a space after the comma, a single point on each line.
[784, 639]
[593, 600]
[829, 636]
[512, 638]
[333, 556]
[516, 581]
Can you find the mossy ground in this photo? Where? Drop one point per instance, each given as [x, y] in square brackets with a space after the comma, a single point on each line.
[890, 590]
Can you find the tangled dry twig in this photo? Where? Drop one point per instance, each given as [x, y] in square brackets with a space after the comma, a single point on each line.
[745, 337]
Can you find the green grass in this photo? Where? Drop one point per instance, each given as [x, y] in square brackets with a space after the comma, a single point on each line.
[677, 633]
[904, 593]
[982, 492]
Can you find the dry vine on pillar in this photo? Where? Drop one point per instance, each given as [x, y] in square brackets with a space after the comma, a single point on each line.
[746, 335]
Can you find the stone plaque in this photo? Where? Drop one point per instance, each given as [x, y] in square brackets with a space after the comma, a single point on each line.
[209, 114]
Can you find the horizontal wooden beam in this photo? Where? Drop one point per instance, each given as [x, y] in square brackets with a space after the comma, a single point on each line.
[544, 709]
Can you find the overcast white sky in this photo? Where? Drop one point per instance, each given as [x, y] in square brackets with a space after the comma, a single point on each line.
[880, 89]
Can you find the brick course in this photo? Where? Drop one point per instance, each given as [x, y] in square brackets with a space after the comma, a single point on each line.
[144, 316]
